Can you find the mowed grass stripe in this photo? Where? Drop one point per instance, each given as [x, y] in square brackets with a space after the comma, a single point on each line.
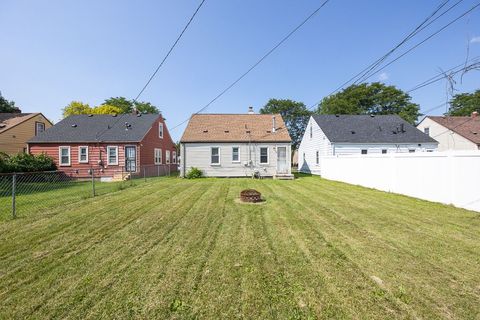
[59, 261]
[411, 289]
[182, 249]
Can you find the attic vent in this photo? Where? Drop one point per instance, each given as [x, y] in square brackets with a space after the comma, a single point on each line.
[90, 115]
[74, 125]
[248, 131]
[474, 132]
[353, 132]
[139, 115]
[372, 116]
[114, 115]
[268, 131]
[205, 131]
[2, 125]
[227, 131]
[337, 115]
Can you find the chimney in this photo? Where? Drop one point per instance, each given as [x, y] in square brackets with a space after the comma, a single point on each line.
[250, 110]
[274, 124]
[474, 114]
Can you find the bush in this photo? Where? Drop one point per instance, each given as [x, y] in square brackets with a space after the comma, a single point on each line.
[194, 173]
[24, 162]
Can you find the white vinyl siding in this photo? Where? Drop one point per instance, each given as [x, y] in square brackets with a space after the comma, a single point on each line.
[64, 156]
[199, 155]
[322, 144]
[158, 156]
[83, 154]
[112, 155]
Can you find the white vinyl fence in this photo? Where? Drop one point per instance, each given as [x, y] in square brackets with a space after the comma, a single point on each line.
[446, 177]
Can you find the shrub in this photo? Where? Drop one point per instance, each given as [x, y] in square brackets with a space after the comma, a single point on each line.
[24, 162]
[194, 173]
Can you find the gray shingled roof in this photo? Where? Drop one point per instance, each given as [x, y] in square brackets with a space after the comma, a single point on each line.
[98, 128]
[368, 129]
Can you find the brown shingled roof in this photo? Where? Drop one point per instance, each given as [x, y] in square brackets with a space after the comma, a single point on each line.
[467, 127]
[9, 120]
[235, 128]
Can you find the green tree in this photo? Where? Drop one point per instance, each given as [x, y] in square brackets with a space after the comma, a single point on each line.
[463, 104]
[294, 113]
[106, 109]
[7, 106]
[146, 107]
[374, 98]
[120, 102]
[76, 107]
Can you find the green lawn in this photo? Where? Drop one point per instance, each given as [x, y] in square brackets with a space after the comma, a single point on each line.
[173, 248]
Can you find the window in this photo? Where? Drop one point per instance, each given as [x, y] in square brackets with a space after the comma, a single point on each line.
[158, 156]
[317, 157]
[64, 155]
[264, 155]
[384, 151]
[83, 154]
[235, 154]
[174, 156]
[364, 151]
[39, 127]
[311, 132]
[215, 155]
[167, 156]
[411, 150]
[426, 131]
[160, 130]
[112, 154]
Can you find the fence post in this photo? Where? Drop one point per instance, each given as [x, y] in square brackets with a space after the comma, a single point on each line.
[93, 182]
[14, 190]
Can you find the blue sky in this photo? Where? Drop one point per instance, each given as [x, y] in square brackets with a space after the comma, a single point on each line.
[57, 51]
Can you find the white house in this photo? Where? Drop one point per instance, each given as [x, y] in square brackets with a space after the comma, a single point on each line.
[236, 145]
[453, 133]
[329, 135]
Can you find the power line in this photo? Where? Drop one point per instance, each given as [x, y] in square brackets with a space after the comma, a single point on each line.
[409, 50]
[169, 51]
[413, 33]
[425, 40]
[417, 30]
[257, 63]
[441, 75]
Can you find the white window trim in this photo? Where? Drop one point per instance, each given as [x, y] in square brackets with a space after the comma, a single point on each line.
[167, 156]
[219, 160]
[155, 156]
[236, 161]
[174, 157]
[79, 158]
[116, 156]
[60, 156]
[260, 154]
[160, 130]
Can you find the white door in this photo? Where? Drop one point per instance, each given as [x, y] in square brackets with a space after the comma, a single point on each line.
[282, 166]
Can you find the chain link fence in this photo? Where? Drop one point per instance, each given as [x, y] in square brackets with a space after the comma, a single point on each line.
[26, 193]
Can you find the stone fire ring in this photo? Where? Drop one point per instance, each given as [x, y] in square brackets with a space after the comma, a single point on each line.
[250, 195]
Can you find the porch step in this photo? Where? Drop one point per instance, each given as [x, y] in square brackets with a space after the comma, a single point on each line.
[119, 176]
[284, 177]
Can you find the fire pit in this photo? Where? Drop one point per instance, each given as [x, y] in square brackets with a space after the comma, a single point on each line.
[250, 195]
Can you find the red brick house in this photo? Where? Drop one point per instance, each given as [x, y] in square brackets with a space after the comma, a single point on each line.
[108, 144]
